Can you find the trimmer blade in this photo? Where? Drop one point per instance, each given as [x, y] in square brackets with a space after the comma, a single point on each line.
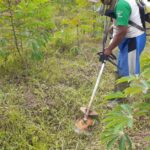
[82, 126]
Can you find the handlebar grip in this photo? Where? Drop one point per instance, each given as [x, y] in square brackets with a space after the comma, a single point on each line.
[106, 57]
[113, 56]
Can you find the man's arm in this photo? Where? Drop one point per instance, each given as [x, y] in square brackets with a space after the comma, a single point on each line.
[121, 32]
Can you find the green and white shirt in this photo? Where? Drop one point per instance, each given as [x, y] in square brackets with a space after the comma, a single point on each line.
[126, 10]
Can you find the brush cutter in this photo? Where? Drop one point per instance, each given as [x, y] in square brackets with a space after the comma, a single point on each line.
[88, 120]
[84, 124]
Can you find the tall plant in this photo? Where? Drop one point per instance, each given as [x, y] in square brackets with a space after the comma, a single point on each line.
[121, 118]
[28, 25]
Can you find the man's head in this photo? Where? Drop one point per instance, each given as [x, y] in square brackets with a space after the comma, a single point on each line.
[106, 2]
[110, 3]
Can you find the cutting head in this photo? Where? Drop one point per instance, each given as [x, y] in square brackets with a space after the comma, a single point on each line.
[83, 126]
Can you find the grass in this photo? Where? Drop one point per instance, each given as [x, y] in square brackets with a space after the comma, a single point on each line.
[39, 106]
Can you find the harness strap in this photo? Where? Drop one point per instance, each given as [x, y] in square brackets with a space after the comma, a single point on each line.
[136, 25]
[142, 16]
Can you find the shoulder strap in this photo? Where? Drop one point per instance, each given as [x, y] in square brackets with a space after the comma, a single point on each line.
[142, 16]
[136, 25]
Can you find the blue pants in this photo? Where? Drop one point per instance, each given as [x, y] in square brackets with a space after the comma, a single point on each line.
[130, 50]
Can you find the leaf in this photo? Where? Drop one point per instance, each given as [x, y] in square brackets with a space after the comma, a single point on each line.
[65, 22]
[128, 114]
[4, 53]
[82, 3]
[115, 95]
[3, 42]
[143, 108]
[145, 86]
[75, 21]
[35, 45]
[110, 143]
[118, 129]
[37, 55]
[126, 108]
[111, 124]
[132, 91]
[130, 122]
[122, 143]
[126, 79]
[129, 142]
[105, 138]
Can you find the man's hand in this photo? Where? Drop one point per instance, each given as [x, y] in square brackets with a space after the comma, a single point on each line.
[107, 51]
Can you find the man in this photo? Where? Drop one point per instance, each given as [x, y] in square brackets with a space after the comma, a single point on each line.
[129, 38]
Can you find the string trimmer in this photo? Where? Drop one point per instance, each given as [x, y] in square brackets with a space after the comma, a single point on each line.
[88, 120]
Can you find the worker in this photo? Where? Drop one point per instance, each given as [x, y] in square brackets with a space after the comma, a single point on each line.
[130, 37]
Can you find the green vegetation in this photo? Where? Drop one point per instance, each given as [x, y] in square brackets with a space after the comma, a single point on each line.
[48, 66]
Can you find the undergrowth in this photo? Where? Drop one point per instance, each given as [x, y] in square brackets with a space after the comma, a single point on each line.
[40, 104]
[48, 66]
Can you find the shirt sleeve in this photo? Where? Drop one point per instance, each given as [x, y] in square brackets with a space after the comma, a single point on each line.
[123, 11]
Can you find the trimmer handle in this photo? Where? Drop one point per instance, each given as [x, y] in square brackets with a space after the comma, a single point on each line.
[103, 58]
